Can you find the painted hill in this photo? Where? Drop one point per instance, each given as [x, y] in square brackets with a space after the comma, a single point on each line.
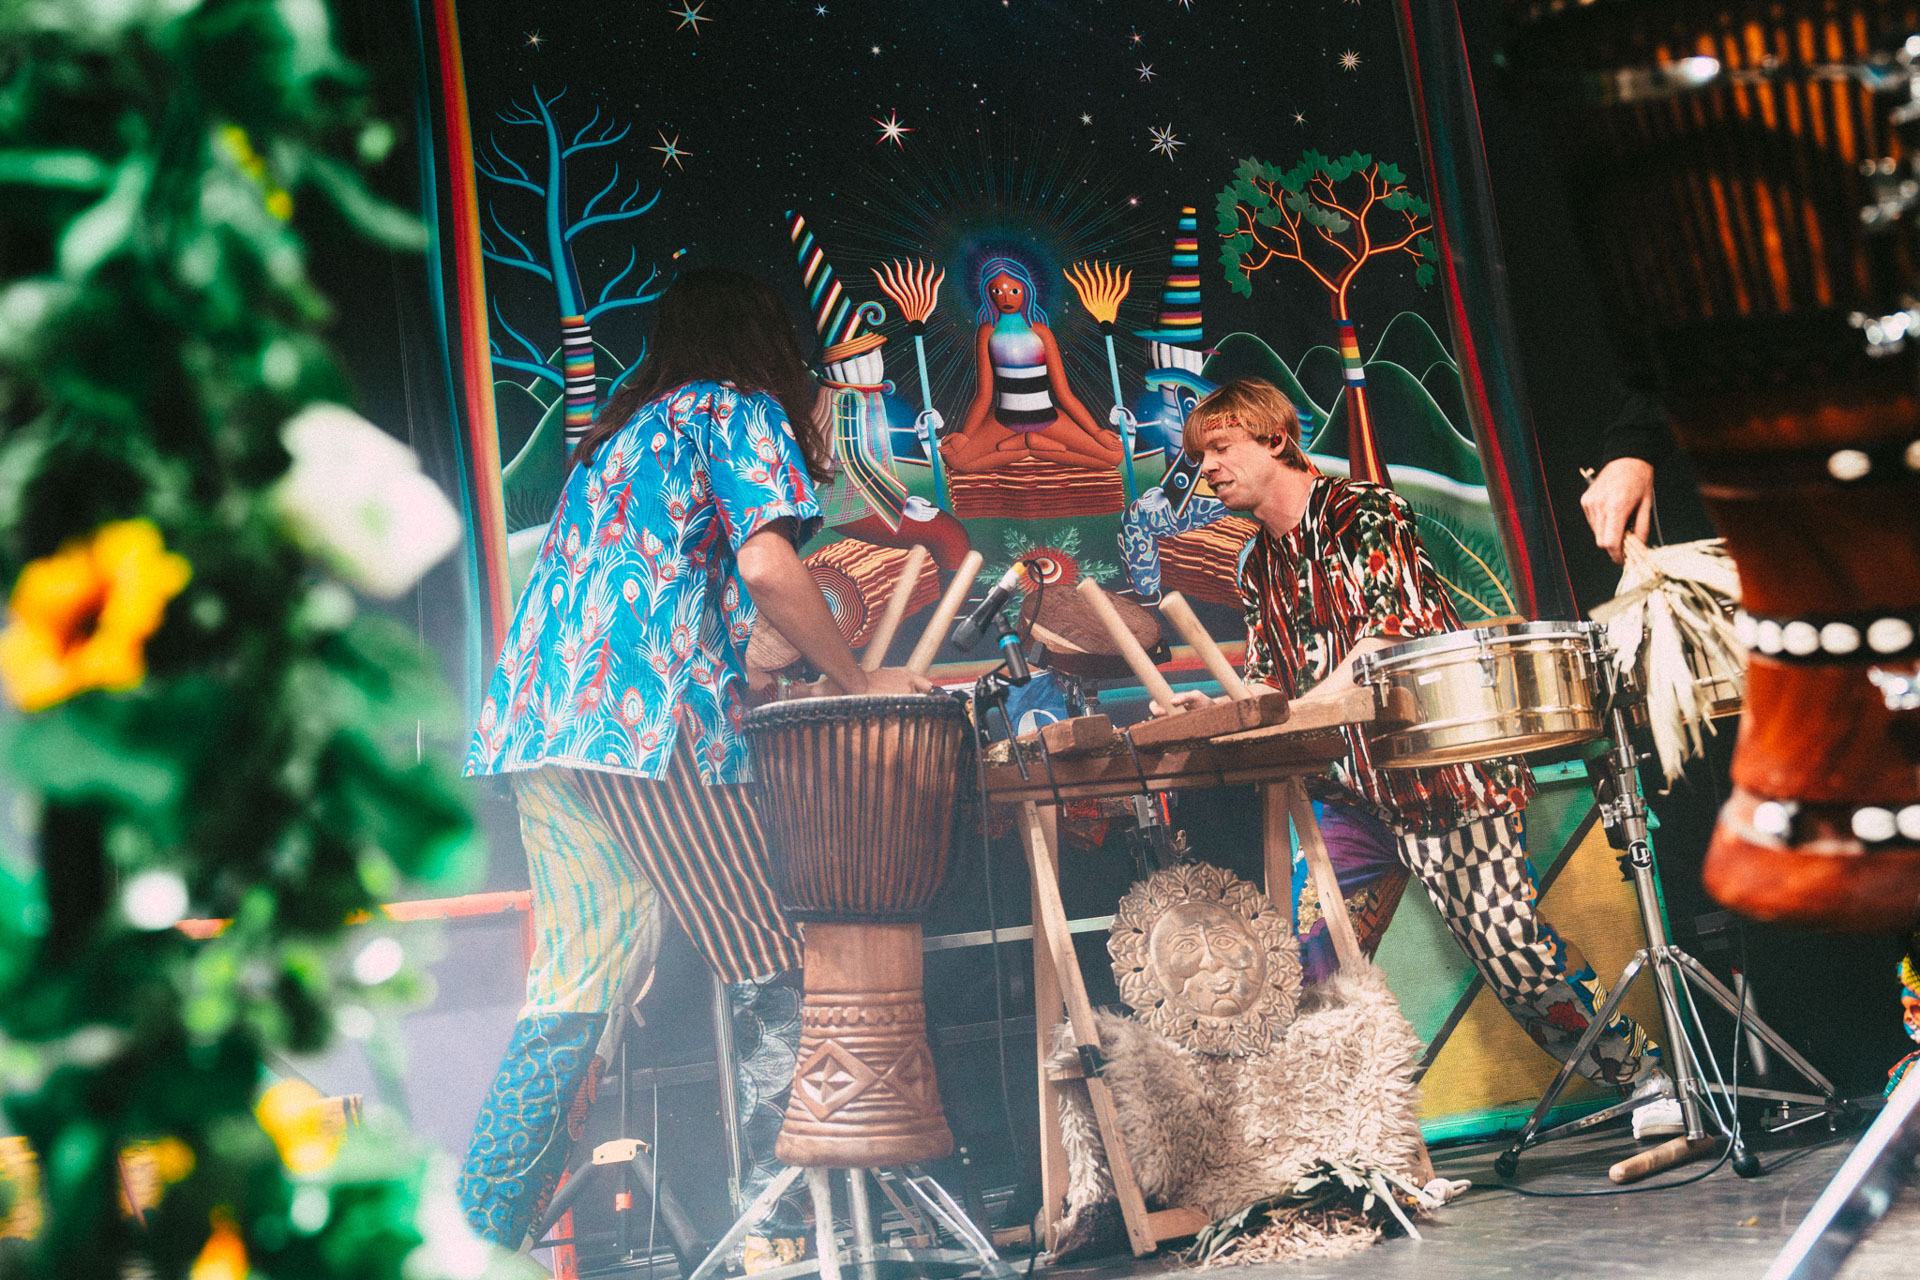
[1442, 382]
[1242, 355]
[1411, 343]
[1413, 431]
[1321, 372]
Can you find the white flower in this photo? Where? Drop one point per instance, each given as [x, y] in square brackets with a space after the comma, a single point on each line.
[356, 500]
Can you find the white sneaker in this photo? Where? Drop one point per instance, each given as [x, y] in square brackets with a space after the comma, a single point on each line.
[1662, 1117]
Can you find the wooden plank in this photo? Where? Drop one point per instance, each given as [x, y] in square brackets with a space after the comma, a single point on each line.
[1276, 847]
[1194, 765]
[1073, 737]
[1262, 710]
[1360, 706]
[1047, 1014]
[1050, 918]
[1333, 905]
[1176, 1224]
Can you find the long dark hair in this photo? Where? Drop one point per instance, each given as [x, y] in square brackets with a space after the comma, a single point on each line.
[720, 326]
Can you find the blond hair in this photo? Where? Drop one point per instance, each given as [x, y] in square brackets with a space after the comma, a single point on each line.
[1252, 405]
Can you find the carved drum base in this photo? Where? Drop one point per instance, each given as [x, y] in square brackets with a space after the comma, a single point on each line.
[864, 1094]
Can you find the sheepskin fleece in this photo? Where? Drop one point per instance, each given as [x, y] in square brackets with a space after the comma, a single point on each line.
[1217, 1133]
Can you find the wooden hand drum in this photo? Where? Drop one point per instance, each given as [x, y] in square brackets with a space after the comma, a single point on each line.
[1731, 205]
[856, 795]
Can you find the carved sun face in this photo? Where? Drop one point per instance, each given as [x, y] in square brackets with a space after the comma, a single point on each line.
[1207, 959]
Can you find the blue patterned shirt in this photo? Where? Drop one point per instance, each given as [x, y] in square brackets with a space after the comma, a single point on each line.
[634, 619]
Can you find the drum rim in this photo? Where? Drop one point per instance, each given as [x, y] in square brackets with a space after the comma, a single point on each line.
[1471, 638]
[852, 704]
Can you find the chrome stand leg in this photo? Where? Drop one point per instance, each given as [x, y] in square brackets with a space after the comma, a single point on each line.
[1625, 810]
[745, 1223]
[1860, 1194]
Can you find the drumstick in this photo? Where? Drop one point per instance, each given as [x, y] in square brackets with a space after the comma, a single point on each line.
[1149, 675]
[896, 609]
[1177, 611]
[944, 613]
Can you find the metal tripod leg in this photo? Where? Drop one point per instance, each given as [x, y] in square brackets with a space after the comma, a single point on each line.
[1860, 1194]
[1509, 1160]
[948, 1213]
[1756, 1028]
[745, 1223]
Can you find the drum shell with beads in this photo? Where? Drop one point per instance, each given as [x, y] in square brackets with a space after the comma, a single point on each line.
[1729, 165]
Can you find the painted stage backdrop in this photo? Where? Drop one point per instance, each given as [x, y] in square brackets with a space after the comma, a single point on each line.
[1025, 235]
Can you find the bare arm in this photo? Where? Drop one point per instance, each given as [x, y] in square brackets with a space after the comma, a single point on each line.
[1340, 679]
[783, 590]
[982, 381]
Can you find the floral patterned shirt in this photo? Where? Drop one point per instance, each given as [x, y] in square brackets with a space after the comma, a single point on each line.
[1351, 569]
[634, 619]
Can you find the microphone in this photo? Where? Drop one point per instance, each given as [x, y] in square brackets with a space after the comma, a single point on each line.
[974, 625]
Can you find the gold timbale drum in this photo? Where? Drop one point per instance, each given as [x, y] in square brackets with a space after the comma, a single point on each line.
[1491, 691]
[856, 796]
[1743, 181]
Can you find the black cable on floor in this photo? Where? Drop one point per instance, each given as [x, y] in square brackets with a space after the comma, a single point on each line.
[1726, 1151]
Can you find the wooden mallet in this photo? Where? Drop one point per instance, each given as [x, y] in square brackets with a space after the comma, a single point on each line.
[896, 609]
[1128, 648]
[944, 613]
[1175, 609]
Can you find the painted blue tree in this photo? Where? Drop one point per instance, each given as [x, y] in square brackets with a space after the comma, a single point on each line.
[574, 375]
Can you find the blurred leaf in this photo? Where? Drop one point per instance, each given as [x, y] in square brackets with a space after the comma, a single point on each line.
[373, 217]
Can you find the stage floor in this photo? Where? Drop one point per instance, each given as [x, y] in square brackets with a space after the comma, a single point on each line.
[1724, 1226]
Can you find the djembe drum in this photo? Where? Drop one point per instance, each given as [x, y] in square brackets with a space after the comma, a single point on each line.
[856, 795]
[1743, 186]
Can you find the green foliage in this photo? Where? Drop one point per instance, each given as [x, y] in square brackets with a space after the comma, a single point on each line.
[157, 327]
[1251, 215]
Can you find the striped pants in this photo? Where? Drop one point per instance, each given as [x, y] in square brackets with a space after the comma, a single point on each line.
[699, 853]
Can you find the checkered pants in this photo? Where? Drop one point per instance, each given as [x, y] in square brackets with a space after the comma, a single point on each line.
[1479, 878]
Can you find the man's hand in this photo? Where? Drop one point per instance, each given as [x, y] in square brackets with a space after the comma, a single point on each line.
[1621, 493]
[897, 680]
[1191, 700]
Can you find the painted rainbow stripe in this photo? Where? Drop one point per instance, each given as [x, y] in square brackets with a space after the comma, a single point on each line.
[576, 356]
[831, 307]
[1363, 450]
[1180, 318]
[479, 435]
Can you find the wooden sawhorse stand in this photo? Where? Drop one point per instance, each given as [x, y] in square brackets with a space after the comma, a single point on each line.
[1261, 740]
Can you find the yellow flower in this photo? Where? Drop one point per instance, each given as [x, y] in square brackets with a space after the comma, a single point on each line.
[224, 1256]
[296, 1117]
[80, 618]
[148, 1168]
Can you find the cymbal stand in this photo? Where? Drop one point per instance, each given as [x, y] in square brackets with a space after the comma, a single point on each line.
[1678, 978]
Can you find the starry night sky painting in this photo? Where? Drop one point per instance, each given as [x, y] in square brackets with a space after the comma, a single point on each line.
[1032, 231]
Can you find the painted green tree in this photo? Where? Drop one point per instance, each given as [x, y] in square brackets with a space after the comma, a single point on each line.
[1333, 217]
